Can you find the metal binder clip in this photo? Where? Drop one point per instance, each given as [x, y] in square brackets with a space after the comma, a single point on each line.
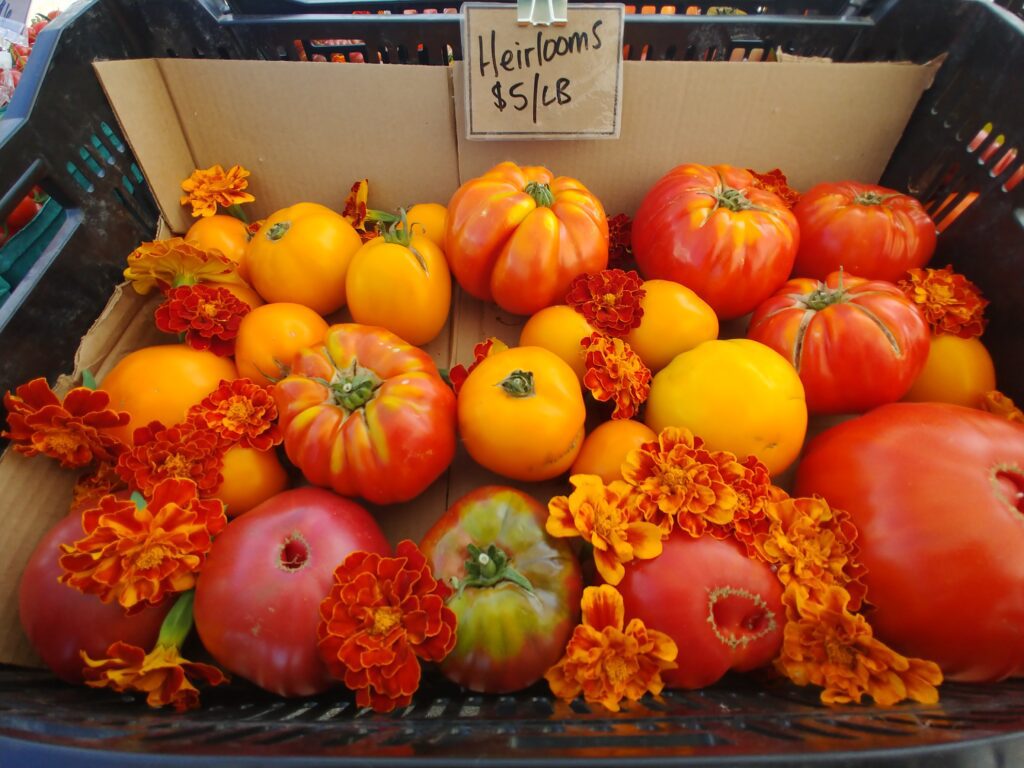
[543, 12]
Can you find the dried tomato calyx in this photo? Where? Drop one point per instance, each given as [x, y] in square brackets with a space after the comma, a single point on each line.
[733, 199]
[823, 296]
[518, 384]
[354, 387]
[486, 568]
[541, 194]
[871, 198]
[278, 231]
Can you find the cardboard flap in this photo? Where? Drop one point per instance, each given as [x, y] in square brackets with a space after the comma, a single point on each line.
[816, 121]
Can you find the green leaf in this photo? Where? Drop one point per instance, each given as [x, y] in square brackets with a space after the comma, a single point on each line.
[88, 380]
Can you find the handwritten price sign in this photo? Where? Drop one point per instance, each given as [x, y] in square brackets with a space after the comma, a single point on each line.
[551, 82]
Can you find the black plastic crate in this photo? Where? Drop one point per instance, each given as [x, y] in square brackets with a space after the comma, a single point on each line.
[59, 132]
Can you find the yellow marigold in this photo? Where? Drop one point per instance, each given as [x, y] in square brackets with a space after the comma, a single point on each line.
[607, 517]
[607, 663]
[1001, 405]
[827, 645]
[950, 302]
[168, 263]
[206, 189]
[615, 372]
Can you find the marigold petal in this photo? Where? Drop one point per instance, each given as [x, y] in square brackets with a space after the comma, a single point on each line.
[602, 607]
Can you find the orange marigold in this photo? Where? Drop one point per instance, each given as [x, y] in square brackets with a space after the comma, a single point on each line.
[140, 555]
[607, 517]
[775, 181]
[239, 411]
[620, 239]
[206, 189]
[1001, 405]
[950, 302]
[458, 374]
[615, 372]
[382, 615]
[93, 486]
[71, 430]
[208, 315]
[606, 662]
[356, 211]
[166, 264]
[825, 644]
[184, 451]
[610, 300]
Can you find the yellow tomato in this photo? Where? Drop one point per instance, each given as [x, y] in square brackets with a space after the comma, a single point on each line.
[225, 234]
[738, 395]
[404, 288]
[269, 336]
[242, 292]
[958, 371]
[559, 329]
[675, 320]
[521, 414]
[428, 219]
[301, 255]
[607, 446]
[250, 478]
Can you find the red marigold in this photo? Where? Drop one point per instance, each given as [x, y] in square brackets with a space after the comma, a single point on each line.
[615, 372]
[240, 412]
[183, 451]
[950, 302]
[1001, 405]
[382, 615]
[754, 486]
[93, 486]
[71, 431]
[620, 239]
[458, 374]
[775, 181]
[610, 300]
[138, 556]
[208, 315]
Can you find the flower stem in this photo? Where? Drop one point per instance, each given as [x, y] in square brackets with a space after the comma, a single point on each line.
[236, 211]
[178, 622]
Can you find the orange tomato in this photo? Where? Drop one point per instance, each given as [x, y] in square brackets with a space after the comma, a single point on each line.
[675, 320]
[559, 329]
[161, 383]
[428, 219]
[301, 255]
[607, 446]
[738, 395]
[521, 414]
[250, 478]
[244, 293]
[222, 233]
[400, 283]
[269, 336]
[958, 371]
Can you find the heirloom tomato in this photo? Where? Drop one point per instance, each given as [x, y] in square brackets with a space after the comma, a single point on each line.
[521, 414]
[250, 478]
[301, 254]
[428, 219]
[518, 236]
[270, 336]
[937, 494]
[675, 320]
[721, 606]
[606, 447]
[737, 395]
[711, 229]
[559, 329]
[367, 414]
[958, 371]
[223, 233]
[258, 598]
[517, 589]
[864, 229]
[856, 343]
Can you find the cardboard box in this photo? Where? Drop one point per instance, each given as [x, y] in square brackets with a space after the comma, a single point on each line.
[307, 131]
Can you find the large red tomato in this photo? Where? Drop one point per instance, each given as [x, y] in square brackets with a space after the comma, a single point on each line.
[711, 229]
[723, 609]
[867, 230]
[517, 588]
[367, 414]
[60, 621]
[937, 493]
[258, 598]
[856, 343]
[518, 236]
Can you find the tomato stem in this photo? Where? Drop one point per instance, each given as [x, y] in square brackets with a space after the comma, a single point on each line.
[871, 198]
[518, 384]
[486, 568]
[178, 622]
[733, 199]
[541, 194]
[354, 387]
[277, 231]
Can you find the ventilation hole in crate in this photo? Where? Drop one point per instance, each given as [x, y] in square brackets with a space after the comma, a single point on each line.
[223, 52]
[171, 53]
[1015, 178]
[101, 149]
[137, 173]
[671, 52]
[197, 53]
[128, 186]
[1018, 214]
[1004, 162]
[993, 146]
[951, 209]
[756, 54]
[90, 163]
[737, 54]
[132, 209]
[112, 138]
[980, 137]
[79, 177]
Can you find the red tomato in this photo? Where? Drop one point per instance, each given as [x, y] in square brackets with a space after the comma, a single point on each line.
[258, 598]
[863, 229]
[22, 214]
[60, 621]
[710, 229]
[937, 493]
[517, 607]
[367, 415]
[856, 343]
[723, 609]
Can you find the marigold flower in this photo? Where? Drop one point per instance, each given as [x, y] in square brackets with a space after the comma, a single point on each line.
[607, 517]
[93, 486]
[825, 644]
[356, 211]
[239, 411]
[208, 315]
[615, 372]
[458, 374]
[606, 662]
[610, 300]
[207, 189]
[382, 615]
[775, 181]
[169, 263]
[138, 556]
[183, 451]
[1001, 405]
[950, 302]
[71, 430]
[254, 226]
[620, 239]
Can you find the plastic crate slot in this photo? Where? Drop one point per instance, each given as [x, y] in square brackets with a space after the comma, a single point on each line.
[953, 207]
[280, 737]
[104, 153]
[234, 734]
[135, 214]
[299, 711]
[863, 726]
[79, 177]
[127, 184]
[813, 727]
[90, 163]
[643, 741]
[991, 149]
[979, 137]
[112, 137]
[183, 733]
[223, 52]
[1003, 162]
[267, 709]
[170, 52]
[1014, 179]
[471, 707]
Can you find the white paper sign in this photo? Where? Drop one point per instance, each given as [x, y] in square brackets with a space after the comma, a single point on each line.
[15, 10]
